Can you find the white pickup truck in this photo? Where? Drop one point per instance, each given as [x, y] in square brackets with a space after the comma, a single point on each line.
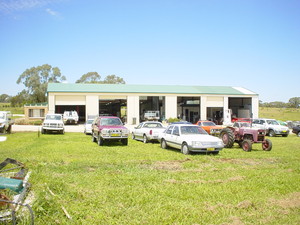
[148, 131]
[6, 121]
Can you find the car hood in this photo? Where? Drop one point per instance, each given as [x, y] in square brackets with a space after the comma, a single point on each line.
[53, 121]
[279, 127]
[201, 137]
[113, 127]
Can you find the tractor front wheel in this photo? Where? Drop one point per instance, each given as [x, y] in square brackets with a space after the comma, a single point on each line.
[267, 145]
[247, 145]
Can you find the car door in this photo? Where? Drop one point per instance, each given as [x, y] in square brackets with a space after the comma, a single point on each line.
[138, 131]
[176, 140]
[168, 135]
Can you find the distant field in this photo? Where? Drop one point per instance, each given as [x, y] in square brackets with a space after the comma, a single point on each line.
[14, 110]
[283, 114]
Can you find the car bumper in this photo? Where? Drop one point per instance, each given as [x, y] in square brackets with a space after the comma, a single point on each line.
[53, 128]
[195, 149]
[281, 132]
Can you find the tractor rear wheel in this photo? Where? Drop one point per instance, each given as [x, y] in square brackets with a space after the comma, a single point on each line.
[247, 145]
[227, 137]
[267, 145]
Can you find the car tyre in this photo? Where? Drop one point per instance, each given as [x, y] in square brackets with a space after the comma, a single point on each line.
[185, 149]
[93, 138]
[145, 140]
[272, 133]
[267, 145]
[163, 144]
[247, 145]
[100, 141]
[124, 141]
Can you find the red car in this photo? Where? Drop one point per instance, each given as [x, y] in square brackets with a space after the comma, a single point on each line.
[109, 128]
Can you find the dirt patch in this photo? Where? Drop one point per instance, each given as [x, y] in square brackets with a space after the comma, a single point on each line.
[218, 181]
[245, 205]
[249, 162]
[174, 165]
[292, 201]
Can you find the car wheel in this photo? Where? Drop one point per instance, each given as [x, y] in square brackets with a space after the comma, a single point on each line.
[8, 129]
[163, 144]
[124, 141]
[272, 133]
[100, 141]
[267, 145]
[42, 131]
[247, 145]
[132, 136]
[185, 149]
[63, 131]
[145, 140]
[93, 138]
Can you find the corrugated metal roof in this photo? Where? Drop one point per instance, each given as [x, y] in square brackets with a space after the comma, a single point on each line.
[130, 88]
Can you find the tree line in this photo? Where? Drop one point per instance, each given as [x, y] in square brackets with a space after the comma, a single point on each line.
[36, 79]
[292, 103]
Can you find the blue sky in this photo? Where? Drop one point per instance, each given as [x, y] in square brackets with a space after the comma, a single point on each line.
[252, 44]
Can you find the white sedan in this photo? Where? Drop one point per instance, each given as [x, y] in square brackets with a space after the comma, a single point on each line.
[190, 138]
[148, 131]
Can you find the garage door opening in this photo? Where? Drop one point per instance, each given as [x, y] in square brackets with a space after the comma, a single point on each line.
[113, 107]
[215, 114]
[80, 109]
[240, 107]
[188, 108]
[152, 108]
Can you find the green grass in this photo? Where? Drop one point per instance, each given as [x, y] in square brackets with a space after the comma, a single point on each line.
[283, 114]
[144, 184]
[13, 110]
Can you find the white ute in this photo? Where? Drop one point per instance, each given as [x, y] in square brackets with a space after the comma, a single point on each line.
[53, 123]
[148, 131]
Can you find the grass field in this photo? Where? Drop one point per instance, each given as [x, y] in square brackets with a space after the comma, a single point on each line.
[144, 184]
[284, 114]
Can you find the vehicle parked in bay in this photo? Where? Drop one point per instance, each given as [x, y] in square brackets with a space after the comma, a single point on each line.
[210, 127]
[148, 131]
[190, 138]
[296, 130]
[70, 117]
[53, 123]
[245, 135]
[88, 126]
[6, 121]
[272, 127]
[109, 128]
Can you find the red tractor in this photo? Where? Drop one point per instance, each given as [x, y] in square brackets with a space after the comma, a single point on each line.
[245, 135]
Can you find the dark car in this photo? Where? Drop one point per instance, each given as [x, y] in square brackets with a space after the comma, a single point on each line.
[296, 130]
[109, 128]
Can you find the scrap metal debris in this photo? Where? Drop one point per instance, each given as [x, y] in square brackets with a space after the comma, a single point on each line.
[14, 187]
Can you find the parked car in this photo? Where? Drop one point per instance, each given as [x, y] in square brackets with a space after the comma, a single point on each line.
[190, 138]
[53, 123]
[109, 128]
[210, 127]
[71, 117]
[148, 131]
[272, 127]
[6, 121]
[88, 126]
[296, 130]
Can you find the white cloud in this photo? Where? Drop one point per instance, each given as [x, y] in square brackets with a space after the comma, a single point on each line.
[52, 13]
[9, 6]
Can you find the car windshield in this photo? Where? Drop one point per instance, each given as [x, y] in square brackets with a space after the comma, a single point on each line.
[152, 125]
[272, 122]
[89, 121]
[111, 122]
[53, 117]
[208, 124]
[192, 130]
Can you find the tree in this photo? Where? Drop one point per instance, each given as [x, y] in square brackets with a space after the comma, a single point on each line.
[36, 80]
[295, 102]
[95, 78]
[20, 99]
[90, 77]
[4, 98]
[113, 79]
